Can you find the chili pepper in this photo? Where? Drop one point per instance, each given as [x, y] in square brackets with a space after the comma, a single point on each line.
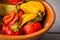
[15, 1]
[12, 24]
[37, 26]
[32, 7]
[7, 30]
[31, 10]
[20, 16]
[31, 28]
[27, 18]
[12, 30]
[14, 20]
[9, 17]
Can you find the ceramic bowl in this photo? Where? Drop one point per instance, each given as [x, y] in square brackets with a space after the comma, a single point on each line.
[47, 24]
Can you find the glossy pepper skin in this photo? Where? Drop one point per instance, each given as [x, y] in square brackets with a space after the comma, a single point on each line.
[9, 17]
[31, 28]
[9, 31]
[31, 10]
[32, 7]
[27, 17]
[15, 1]
[12, 23]
[12, 17]
[21, 13]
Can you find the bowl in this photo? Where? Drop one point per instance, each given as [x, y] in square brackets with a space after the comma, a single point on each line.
[47, 24]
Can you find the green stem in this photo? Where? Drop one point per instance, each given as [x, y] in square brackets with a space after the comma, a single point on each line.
[15, 27]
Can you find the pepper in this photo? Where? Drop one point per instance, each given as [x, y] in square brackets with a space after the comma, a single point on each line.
[20, 16]
[12, 29]
[9, 17]
[14, 2]
[32, 7]
[11, 23]
[32, 27]
[27, 18]
[31, 10]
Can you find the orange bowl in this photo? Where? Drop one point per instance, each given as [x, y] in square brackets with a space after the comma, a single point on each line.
[48, 22]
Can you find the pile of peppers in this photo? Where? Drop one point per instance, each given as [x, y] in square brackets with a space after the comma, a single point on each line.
[25, 20]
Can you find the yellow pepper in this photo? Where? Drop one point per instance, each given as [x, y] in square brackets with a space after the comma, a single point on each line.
[32, 7]
[28, 17]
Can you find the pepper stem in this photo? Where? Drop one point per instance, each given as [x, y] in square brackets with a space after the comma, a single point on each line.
[15, 27]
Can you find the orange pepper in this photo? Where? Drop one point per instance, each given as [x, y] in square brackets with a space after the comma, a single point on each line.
[9, 17]
[14, 20]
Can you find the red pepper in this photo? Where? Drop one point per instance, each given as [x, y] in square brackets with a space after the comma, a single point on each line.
[37, 26]
[31, 28]
[9, 17]
[15, 1]
[12, 17]
[7, 30]
[20, 16]
[10, 20]
[14, 20]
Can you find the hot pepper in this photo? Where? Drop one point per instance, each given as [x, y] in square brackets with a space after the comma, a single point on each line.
[31, 28]
[15, 1]
[31, 10]
[32, 7]
[12, 29]
[9, 17]
[12, 25]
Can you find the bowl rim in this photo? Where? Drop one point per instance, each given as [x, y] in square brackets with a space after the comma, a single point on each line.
[33, 34]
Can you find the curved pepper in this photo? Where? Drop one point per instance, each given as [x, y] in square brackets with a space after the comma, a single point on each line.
[12, 30]
[32, 7]
[31, 10]
[9, 17]
[28, 17]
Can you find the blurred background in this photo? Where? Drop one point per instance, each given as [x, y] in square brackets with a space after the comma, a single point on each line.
[54, 32]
